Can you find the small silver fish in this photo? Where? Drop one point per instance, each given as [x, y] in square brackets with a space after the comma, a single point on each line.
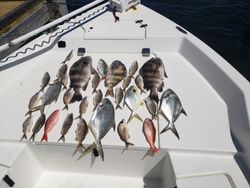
[62, 71]
[139, 83]
[68, 95]
[132, 100]
[27, 124]
[81, 132]
[66, 126]
[152, 107]
[37, 127]
[83, 107]
[118, 97]
[133, 68]
[170, 108]
[64, 80]
[34, 101]
[126, 82]
[68, 57]
[102, 68]
[97, 98]
[45, 81]
[95, 81]
[102, 120]
[123, 133]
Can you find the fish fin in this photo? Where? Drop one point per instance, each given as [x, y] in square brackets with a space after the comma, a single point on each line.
[165, 74]
[118, 106]
[55, 81]
[45, 137]
[40, 107]
[32, 137]
[161, 87]
[173, 129]
[113, 126]
[183, 111]
[128, 144]
[109, 92]
[154, 149]
[23, 137]
[134, 115]
[77, 96]
[79, 117]
[87, 150]
[154, 96]
[79, 148]
[65, 107]
[62, 138]
[28, 113]
[100, 150]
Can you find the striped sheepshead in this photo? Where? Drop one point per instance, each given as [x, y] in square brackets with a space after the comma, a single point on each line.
[116, 73]
[153, 73]
[133, 100]
[80, 73]
[170, 108]
[102, 120]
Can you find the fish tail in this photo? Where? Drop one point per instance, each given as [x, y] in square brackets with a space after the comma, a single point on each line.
[89, 149]
[62, 138]
[183, 111]
[134, 115]
[32, 137]
[94, 91]
[154, 149]
[154, 96]
[65, 107]
[45, 137]
[109, 92]
[64, 87]
[143, 91]
[118, 106]
[128, 144]
[28, 113]
[100, 150]
[173, 129]
[41, 108]
[79, 148]
[77, 96]
[79, 117]
[23, 137]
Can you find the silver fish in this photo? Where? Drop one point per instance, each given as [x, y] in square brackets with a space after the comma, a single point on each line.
[125, 83]
[139, 83]
[45, 81]
[123, 133]
[153, 73]
[38, 125]
[152, 107]
[68, 95]
[95, 81]
[102, 120]
[170, 108]
[133, 68]
[62, 71]
[83, 107]
[27, 124]
[66, 126]
[81, 132]
[34, 101]
[97, 98]
[80, 73]
[116, 73]
[118, 97]
[68, 57]
[132, 100]
[64, 80]
[102, 68]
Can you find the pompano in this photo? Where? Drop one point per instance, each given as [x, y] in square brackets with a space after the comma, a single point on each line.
[95, 81]
[139, 83]
[81, 132]
[133, 68]
[68, 57]
[149, 132]
[116, 73]
[27, 124]
[132, 100]
[66, 126]
[38, 125]
[80, 73]
[102, 120]
[170, 108]
[118, 97]
[68, 95]
[83, 107]
[152, 107]
[102, 68]
[34, 101]
[123, 133]
[45, 81]
[153, 73]
[125, 83]
[97, 98]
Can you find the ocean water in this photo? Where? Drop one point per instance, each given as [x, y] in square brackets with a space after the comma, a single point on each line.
[222, 24]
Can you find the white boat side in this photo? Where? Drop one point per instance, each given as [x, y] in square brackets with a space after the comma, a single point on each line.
[213, 150]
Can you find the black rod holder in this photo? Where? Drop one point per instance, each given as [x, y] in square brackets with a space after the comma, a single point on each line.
[9, 181]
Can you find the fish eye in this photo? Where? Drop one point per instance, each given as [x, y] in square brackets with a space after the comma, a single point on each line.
[134, 90]
[101, 105]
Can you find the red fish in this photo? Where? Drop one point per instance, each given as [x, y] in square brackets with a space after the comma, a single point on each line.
[149, 133]
[50, 123]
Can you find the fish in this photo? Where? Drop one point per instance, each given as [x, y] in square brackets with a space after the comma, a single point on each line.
[133, 101]
[123, 133]
[118, 97]
[45, 81]
[83, 107]
[125, 83]
[80, 73]
[102, 68]
[139, 83]
[102, 120]
[34, 101]
[62, 71]
[68, 95]
[38, 125]
[68, 57]
[66, 126]
[97, 98]
[149, 132]
[50, 124]
[170, 108]
[64, 81]
[116, 73]
[27, 124]
[152, 107]
[133, 68]
[95, 81]
[153, 73]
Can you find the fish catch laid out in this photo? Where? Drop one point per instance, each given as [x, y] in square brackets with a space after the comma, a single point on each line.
[66, 126]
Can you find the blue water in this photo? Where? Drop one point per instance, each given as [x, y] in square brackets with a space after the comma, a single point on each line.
[222, 24]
